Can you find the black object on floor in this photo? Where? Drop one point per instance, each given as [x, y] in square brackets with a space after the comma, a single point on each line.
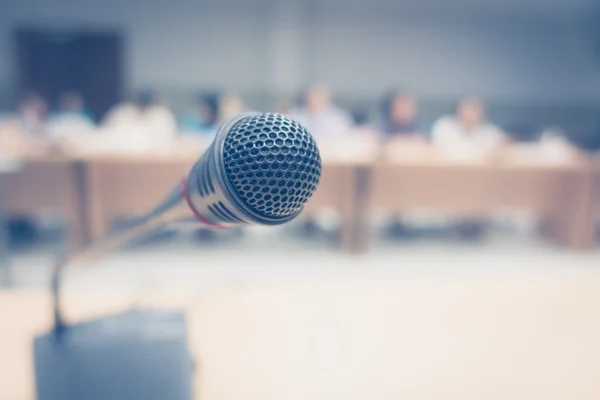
[135, 355]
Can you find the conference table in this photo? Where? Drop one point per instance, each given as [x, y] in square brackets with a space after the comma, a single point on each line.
[557, 192]
[120, 186]
[341, 189]
[93, 191]
[125, 186]
[49, 184]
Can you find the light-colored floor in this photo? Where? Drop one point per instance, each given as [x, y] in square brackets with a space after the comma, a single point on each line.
[266, 254]
[286, 317]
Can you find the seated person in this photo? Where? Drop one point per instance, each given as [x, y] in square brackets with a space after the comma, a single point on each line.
[467, 132]
[399, 111]
[204, 118]
[142, 124]
[71, 118]
[72, 104]
[31, 114]
[22, 133]
[552, 146]
[230, 106]
[323, 119]
[360, 115]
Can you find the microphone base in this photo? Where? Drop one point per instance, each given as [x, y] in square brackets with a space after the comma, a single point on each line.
[135, 355]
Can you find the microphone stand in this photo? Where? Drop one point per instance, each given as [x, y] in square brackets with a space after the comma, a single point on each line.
[169, 211]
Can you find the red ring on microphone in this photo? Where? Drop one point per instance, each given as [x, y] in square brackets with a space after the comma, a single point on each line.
[186, 195]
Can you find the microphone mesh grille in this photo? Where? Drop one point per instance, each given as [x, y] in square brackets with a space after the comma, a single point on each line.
[273, 164]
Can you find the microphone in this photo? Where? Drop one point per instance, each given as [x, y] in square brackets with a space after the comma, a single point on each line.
[260, 169]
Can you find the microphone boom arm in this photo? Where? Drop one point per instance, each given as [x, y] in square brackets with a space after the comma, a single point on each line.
[169, 211]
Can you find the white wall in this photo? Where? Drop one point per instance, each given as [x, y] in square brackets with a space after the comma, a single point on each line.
[445, 58]
[360, 48]
[167, 44]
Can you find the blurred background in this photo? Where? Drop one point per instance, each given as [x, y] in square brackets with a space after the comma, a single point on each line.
[535, 65]
[459, 141]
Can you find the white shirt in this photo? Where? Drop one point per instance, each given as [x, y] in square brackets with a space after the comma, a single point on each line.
[67, 125]
[329, 123]
[450, 135]
[154, 127]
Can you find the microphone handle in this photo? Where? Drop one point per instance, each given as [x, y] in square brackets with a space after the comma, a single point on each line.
[170, 210]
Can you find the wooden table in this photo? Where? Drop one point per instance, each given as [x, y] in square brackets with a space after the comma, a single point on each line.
[7, 168]
[125, 186]
[94, 191]
[491, 336]
[340, 189]
[476, 189]
[48, 185]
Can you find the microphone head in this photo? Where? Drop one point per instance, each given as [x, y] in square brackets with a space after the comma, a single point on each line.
[261, 168]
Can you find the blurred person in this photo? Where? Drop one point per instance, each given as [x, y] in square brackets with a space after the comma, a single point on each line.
[467, 132]
[22, 132]
[32, 113]
[399, 111]
[360, 115]
[72, 103]
[144, 109]
[230, 105]
[142, 124]
[327, 123]
[554, 146]
[322, 118]
[204, 119]
[398, 124]
[71, 119]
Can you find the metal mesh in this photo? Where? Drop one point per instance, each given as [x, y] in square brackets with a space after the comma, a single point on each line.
[273, 163]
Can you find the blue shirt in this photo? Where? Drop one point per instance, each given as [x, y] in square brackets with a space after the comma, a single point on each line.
[398, 130]
[83, 113]
[193, 124]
